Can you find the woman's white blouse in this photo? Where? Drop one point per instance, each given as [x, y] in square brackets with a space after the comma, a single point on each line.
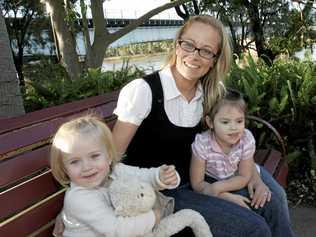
[135, 99]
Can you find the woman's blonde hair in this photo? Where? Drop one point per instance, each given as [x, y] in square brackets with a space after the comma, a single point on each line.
[212, 82]
[85, 126]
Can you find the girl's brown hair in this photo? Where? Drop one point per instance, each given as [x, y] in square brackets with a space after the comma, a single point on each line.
[231, 97]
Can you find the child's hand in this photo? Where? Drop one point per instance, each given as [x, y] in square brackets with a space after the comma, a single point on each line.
[213, 189]
[59, 226]
[236, 198]
[157, 215]
[168, 175]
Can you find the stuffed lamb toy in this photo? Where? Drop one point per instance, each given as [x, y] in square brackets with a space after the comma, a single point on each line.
[133, 197]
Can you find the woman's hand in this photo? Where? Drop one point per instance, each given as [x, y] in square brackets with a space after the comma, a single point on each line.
[236, 198]
[258, 191]
[168, 175]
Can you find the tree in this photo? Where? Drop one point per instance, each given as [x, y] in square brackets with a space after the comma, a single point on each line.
[188, 9]
[262, 18]
[23, 20]
[234, 17]
[63, 18]
[11, 103]
[302, 23]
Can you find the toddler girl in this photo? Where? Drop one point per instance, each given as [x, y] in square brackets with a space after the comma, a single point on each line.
[84, 156]
[222, 157]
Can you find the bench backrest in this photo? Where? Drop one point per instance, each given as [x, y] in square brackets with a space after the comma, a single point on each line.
[30, 198]
[273, 159]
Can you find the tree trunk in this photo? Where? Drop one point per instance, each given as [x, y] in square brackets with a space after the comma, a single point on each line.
[102, 38]
[66, 39]
[257, 29]
[11, 102]
[18, 62]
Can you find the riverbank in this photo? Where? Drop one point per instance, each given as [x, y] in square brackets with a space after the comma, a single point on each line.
[148, 63]
[154, 61]
[118, 58]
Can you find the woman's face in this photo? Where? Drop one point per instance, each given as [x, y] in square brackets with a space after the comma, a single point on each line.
[191, 65]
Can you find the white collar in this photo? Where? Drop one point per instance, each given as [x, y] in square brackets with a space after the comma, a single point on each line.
[170, 88]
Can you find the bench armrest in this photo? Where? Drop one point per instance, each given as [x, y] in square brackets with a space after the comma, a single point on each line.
[279, 138]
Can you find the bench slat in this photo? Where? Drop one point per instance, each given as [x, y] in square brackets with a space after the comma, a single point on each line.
[25, 195]
[273, 161]
[27, 136]
[281, 173]
[45, 231]
[22, 165]
[32, 220]
[261, 156]
[63, 110]
[44, 130]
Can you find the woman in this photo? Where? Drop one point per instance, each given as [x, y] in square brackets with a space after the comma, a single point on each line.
[158, 117]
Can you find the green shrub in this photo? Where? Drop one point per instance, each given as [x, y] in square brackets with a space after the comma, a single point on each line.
[285, 95]
[47, 84]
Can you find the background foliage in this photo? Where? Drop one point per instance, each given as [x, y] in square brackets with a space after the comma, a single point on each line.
[285, 95]
[47, 84]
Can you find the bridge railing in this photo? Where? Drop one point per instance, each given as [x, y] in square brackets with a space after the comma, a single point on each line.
[115, 22]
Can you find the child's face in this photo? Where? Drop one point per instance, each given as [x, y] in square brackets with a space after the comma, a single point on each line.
[228, 126]
[86, 161]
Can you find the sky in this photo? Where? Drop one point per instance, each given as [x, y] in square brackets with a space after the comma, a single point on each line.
[136, 8]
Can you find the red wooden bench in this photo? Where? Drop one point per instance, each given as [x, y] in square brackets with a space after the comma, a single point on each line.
[30, 198]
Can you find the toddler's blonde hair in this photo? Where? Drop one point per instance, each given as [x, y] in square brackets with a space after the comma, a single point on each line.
[85, 126]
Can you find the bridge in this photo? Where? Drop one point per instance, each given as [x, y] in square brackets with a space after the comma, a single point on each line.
[152, 30]
[115, 22]
[139, 35]
[149, 31]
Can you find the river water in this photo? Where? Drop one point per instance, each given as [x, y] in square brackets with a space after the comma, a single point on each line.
[311, 50]
[150, 63]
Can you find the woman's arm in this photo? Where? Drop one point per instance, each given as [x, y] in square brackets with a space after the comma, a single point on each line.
[133, 106]
[258, 191]
[123, 133]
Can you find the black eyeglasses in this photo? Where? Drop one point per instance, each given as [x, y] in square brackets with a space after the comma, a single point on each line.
[203, 52]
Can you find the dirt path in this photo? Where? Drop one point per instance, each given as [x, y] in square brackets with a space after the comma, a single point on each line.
[304, 221]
